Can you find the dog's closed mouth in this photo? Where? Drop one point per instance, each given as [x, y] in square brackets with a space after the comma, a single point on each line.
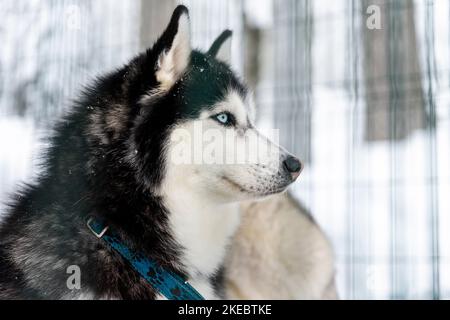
[235, 184]
[252, 192]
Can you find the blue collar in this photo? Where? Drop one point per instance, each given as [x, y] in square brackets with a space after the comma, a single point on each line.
[169, 284]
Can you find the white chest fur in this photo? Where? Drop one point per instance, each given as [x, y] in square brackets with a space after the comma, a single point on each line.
[204, 230]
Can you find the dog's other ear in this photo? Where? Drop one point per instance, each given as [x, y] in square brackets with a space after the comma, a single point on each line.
[174, 49]
[220, 48]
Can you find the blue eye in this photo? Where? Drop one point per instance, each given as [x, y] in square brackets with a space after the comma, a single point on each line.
[222, 118]
[225, 118]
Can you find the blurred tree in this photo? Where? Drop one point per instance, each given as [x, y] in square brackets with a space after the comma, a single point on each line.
[392, 72]
[154, 15]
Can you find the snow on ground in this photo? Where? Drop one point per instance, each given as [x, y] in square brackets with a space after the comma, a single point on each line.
[19, 145]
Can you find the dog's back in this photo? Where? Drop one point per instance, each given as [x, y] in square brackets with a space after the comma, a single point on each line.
[279, 252]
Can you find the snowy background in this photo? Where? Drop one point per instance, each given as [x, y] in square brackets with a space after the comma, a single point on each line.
[367, 110]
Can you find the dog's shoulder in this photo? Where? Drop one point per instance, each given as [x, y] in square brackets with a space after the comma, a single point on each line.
[11, 285]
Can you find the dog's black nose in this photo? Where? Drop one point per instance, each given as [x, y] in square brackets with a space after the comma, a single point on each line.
[293, 166]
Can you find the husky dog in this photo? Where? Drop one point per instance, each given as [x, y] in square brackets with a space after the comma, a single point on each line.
[111, 158]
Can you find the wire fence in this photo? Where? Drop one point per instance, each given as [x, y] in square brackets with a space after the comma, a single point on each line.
[366, 109]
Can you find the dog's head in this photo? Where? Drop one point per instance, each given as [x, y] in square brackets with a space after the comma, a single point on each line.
[193, 126]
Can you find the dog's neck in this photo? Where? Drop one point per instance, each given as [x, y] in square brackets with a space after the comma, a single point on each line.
[202, 227]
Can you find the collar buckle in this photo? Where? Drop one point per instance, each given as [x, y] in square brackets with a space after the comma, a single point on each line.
[96, 228]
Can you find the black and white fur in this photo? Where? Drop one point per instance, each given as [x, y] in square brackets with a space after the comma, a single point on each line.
[109, 158]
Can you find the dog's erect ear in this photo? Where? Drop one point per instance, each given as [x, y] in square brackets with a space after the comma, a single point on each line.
[174, 48]
[218, 49]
